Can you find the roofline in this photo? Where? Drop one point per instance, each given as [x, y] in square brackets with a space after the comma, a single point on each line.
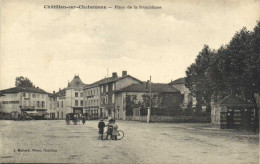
[4, 91]
[119, 78]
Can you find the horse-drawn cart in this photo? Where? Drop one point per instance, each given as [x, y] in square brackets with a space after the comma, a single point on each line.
[74, 117]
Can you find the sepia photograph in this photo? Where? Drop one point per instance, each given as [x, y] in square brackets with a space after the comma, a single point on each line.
[130, 81]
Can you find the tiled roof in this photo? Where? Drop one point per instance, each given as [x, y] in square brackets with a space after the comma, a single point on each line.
[160, 88]
[61, 92]
[109, 80]
[76, 83]
[23, 89]
[232, 100]
[178, 81]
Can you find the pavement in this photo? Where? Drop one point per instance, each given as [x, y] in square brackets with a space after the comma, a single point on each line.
[53, 141]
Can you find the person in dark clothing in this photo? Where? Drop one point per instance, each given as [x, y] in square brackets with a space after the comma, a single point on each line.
[83, 120]
[101, 126]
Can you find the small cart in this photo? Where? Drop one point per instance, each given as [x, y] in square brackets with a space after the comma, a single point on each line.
[74, 117]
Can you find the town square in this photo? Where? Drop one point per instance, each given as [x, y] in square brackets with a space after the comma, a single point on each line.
[142, 143]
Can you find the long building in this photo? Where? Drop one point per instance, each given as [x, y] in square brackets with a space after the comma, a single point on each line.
[24, 99]
[100, 96]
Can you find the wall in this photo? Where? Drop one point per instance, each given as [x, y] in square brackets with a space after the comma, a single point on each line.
[215, 114]
[170, 118]
[125, 82]
[14, 105]
[185, 91]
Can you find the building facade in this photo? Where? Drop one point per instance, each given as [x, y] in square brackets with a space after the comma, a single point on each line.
[25, 99]
[100, 96]
[187, 98]
[136, 97]
[70, 99]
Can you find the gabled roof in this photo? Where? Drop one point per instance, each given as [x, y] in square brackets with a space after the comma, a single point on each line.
[76, 83]
[178, 81]
[233, 100]
[109, 80]
[156, 87]
[23, 89]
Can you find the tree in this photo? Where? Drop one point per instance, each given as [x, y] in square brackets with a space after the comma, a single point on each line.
[23, 82]
[197, 78]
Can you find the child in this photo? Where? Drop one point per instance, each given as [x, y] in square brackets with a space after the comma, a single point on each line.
[101, 126]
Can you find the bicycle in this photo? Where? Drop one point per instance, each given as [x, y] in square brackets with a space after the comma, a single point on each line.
[120, 135]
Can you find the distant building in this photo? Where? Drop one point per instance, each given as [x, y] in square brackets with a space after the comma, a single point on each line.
[168, 98]
[52, 102]
[70, 99]
[24, 99]
[100, 96]
[187, 98]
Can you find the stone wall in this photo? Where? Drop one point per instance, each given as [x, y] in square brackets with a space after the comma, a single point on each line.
[170, 118]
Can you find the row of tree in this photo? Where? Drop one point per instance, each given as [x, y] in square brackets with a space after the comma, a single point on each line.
[232, 69]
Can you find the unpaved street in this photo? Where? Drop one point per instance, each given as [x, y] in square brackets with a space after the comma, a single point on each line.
[54, 141]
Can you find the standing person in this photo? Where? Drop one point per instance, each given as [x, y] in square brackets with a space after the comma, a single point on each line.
[83, 120]
[109, 128]
[101, 126]
[115, 130]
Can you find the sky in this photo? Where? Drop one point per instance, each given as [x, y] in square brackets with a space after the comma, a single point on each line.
[51, 46]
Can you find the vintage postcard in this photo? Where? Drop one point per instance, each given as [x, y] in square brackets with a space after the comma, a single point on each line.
[129, 81]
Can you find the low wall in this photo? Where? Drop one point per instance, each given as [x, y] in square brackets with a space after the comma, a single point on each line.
[170, 118]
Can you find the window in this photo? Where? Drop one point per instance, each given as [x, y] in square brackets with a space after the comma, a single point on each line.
[61, 103]
[102, 87]
[113, 98]
[106, 99]
[38, 95]
[57, 103]
[113, 86]
[97, 101]
[76, 94]
[29, 95]
[38, 104]
[107, 88]
[33, 95]
[81, 94]
[23, 94]
[81, 102]
[43, 104]
[76, 102]
[91, 92]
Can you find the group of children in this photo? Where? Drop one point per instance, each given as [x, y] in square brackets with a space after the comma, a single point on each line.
[112, 129]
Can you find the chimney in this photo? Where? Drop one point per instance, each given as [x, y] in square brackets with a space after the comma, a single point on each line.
[124, 73]
[114, 75]
[53, 92]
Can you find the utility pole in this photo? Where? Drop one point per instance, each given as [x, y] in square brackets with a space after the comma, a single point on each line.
[149, 108]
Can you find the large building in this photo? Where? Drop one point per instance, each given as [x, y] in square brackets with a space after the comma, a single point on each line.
[135, 98]
[71, 98]
[100, 96]
[24, 99]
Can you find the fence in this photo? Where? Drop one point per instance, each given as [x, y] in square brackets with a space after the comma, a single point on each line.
[170, 118]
